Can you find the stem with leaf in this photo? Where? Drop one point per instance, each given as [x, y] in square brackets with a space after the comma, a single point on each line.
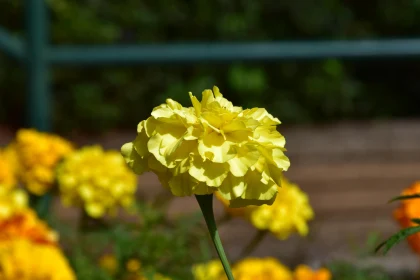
[206, 206]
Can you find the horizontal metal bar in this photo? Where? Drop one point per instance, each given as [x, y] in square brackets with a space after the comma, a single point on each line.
[10, 45]
[214, 52]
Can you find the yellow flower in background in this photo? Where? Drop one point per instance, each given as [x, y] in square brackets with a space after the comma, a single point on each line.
[12, 202]
[98, 180]
[212, 146]
[38, 154]
[410, 209]
[304, 272]
[133, 265]
[21, 259]
[7, 170]
[109, 263]
[289, 213]
[212, 270]
[133, 268]
[26, 224]
[262, 269]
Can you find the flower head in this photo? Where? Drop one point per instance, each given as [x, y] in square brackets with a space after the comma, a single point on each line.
[212, 270]
[21, 259]
[97, 179]
[26, 224]
[410, 209]
[212, 146]
[261, 268]
[7, 169]
[38, 154]
[289, 213]
[304, 272]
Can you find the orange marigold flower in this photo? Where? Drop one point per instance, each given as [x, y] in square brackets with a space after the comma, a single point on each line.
[38, 154]
[26, 224]
[304, 272]
[408, 210]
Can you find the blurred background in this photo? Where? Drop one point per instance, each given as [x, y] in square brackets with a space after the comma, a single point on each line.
[352, 125]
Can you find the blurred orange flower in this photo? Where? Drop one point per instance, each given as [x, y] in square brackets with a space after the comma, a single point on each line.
[410, 209]
[26, 224]
[304, 272]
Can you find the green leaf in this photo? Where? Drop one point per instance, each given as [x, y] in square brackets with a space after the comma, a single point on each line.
[397, 238]
[403, 197]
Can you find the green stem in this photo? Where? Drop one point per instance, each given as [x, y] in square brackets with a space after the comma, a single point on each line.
[259, 236]
[206, 206]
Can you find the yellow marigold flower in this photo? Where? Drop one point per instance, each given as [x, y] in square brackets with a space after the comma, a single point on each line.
[12, 202]
[289, 213]
[109, 263]
[261, 269]
[97, 179]
[304, 272]
[21, 259]
[408, 210]
[38, 153]
[212, 270]
[133, 265]
[26, 224]
[212, 146]
[7, 170]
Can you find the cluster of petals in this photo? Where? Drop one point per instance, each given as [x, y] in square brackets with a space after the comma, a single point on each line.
[21, 259]
[407, 210]
[97, 180]
[12, 202]
[289, 213]
[211, 146]
[253, 268]
[38, 154]
[27, 225]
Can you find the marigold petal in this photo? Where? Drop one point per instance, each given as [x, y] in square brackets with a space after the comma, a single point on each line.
[209, 172]
[182, 185]
[245, 158]
[133, 159]
[214, 147]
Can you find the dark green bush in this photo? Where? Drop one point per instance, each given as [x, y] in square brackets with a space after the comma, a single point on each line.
[101, 98]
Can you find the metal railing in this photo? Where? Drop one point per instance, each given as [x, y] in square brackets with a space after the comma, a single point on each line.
[39, 56]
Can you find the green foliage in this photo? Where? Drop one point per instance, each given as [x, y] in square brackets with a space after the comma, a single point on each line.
[161, 246]
[101, 98]
[346, 271]
[402, 234]
[403, 197]
[397, 238]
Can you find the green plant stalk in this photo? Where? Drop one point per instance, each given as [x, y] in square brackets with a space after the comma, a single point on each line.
[206, 206]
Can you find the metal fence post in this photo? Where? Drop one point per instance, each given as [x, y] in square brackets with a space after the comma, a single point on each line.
[37, 66]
